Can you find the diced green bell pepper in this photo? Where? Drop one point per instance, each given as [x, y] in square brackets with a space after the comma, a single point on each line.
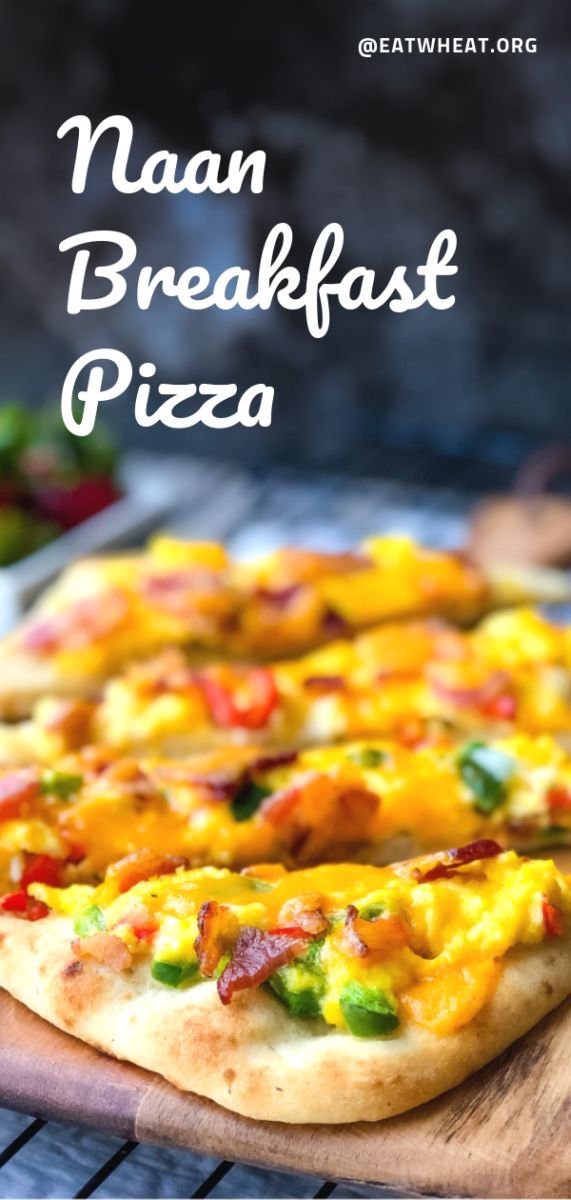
[305, 1002]
[247, 801]
[368, 1012]
[224, 960]
[174, 974]
[90, 920]
[301, 984]
[486, 772]
[371, 912]
[60, 783]
[368, 757]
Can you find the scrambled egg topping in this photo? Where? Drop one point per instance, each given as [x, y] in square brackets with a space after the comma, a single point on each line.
[390, 948]
[235, 806]
[104, 612]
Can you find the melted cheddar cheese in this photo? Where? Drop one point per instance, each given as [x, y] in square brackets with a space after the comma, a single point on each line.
[234, 806]
[454, 932]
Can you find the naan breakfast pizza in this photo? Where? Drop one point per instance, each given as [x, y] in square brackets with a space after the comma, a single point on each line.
[338, 993]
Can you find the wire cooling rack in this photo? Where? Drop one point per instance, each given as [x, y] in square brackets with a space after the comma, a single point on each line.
[254, 514]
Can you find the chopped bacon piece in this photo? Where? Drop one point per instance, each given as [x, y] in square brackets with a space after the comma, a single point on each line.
[218, 928]
[71, 720]
[304, 913]
[446, 862]
[22, 905]
[447, 644]
[43, 635]
[88, 620]
[18, 790]
[559, 799]
[553, 919]
[75, 853]
[267, 762]
[334, 625]
[493, 698]
[218, 786]
[278, 598]
[144, 864]
[244, 698]
[400, 675]
[321, 813]
[191, 593]
[105, 948]
[305, 566]
[127, 775]
[221, 781]
[385, 934]
[169, 671]
[170, 590]
[280, 805]
[42, 868]
[322, 684]
[94, 760]
[256, 956]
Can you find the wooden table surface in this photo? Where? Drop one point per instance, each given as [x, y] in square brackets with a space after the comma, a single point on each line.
[505, 1132]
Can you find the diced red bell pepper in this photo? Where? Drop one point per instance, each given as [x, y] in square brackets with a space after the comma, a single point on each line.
[75, 854]
[22, 905]
[141, 922]
[252, 711]
[42, 868]
[14, 902]
[553, 919]
[559, 799]
[502, 708]
[290, 931]
[493, 698]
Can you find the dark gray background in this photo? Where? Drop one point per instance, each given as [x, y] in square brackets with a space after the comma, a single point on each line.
[396, 148]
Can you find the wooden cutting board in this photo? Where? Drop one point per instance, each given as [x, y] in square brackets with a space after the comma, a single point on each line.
[504, 1133]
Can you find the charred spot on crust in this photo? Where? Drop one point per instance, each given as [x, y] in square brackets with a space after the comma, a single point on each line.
[72, 968]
